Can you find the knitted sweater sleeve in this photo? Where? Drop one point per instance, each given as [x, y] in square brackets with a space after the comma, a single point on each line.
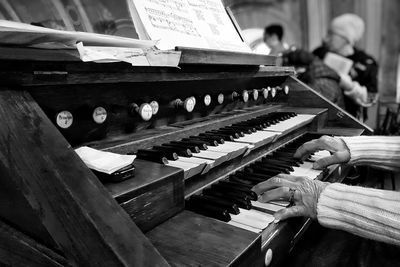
[374, 150]
[367, 212]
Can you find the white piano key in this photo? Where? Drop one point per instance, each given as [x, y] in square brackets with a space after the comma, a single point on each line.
[249, 220]
[290, 123]
[206, 154]
[282, 203]
[186, 166]
[196, 160]
[208, 163]
[245, 227]
[319, 155]
[266, 206]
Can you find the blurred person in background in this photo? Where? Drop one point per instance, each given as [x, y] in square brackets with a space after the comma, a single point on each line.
[313, 72]
[273, 37]
[360, 84]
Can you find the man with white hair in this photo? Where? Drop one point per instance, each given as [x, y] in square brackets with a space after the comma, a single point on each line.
[343, 33]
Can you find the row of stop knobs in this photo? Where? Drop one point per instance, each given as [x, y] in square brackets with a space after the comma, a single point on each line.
[146, 111]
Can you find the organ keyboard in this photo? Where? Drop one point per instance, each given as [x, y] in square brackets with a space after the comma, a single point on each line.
[203, 135]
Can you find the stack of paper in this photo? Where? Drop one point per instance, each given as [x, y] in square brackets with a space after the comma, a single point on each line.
[101, 161]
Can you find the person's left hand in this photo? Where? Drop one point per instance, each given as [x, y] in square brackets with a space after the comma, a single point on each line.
[301, 191]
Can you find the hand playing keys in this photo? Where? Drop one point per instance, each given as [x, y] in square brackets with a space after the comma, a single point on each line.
[302, 192]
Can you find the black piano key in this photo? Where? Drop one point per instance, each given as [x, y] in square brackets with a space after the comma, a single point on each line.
[226, 187]
[184, 152]
[278, 163]
[253, 176]
[240, 180]
[193, 149]
[234, 133]
[229, 206]
[230, 190]
[262, 171]
[162, 160]
[209, 210]
[225, 137]
[157, 153]
[208, 139]
[243, 129]
[189, 144]
[239, 200]
[247, 186]
[293, 162]
[198, 141]
[273, 167]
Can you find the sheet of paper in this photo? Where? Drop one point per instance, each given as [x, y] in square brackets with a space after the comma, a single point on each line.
[134, 56]
[338, 63]
[102, 161]
[17, 33]
[190, 23]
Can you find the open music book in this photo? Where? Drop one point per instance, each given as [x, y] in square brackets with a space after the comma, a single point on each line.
[190, 23]
[105, 162]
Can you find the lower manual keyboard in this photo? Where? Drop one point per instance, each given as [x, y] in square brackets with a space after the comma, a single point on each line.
[231, 199]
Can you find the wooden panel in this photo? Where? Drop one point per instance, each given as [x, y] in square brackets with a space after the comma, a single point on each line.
[152, 196]
[17, 249]
[189, 239]
[93, 73]
[77, 211]
[389, 50]
[310, 98]
[215, 57]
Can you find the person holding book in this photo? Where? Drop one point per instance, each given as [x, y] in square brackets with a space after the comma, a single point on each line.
[361, 82]
[366, 212]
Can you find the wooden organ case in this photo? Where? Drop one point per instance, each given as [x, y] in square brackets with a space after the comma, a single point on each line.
[55, 212]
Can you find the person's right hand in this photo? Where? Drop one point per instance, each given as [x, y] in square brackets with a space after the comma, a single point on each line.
[339, 151]
[346, 82]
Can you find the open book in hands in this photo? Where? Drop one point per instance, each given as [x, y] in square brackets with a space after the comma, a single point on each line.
[338, 63]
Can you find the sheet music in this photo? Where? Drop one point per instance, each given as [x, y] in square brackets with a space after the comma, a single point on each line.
[200, 23]
[215, 25]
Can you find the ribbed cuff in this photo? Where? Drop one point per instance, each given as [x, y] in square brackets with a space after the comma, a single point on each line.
[376, 150]
[367, 212]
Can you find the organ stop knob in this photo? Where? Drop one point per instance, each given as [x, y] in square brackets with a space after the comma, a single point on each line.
[64, 119]
[144, 110]
[99, 115]
[187, 105]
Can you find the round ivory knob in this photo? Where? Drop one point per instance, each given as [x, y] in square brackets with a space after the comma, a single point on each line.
[189, 104]
[207, 100]
[64, 119]
[255, 94]
[154, 107]
[220, 99]
[245, 96]
[286, 89]
[273, 92]
[268, 257]
[265, 92]
[99, 115]
[145, 111]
